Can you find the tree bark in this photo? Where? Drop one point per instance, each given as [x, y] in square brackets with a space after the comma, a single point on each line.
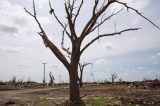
[74, 87]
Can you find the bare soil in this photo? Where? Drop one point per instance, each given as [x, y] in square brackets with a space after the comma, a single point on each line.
[59, 94]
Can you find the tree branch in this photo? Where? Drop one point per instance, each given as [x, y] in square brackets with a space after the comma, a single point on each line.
[56, 17]
[104, 35]
[78, 11]
[35, 17]
[47, 42]
[69, 18]
[62, 45]
[104, 20]
[95, 6]
[88, 27]
[125, 4]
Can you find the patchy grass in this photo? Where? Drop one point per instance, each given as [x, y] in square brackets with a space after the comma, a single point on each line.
[86, 102]
[96, 95]
[102, 102]
[46, 102]
[106, 102]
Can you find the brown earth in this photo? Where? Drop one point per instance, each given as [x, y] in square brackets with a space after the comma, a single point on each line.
[31, 97]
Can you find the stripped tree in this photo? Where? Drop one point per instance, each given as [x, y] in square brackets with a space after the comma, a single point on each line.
[81, 69]
[113, 77]
[98, 18]
[51, 81]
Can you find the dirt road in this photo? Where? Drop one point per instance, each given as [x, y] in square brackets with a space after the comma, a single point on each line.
[11, 93]
[20, 95]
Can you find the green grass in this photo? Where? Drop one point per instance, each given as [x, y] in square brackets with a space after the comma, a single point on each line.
[101, 102]
[106, 102]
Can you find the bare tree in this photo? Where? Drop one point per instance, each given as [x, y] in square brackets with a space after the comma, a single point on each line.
[113, 77]
[13, 80]
[81, 69]
[51, 78]
[99, 17]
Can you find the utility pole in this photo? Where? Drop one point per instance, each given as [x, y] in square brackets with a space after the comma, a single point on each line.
[44, 73]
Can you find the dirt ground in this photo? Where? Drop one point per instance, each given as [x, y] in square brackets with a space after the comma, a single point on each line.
[59, 94]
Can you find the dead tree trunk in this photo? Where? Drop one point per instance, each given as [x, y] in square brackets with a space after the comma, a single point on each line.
[73, 74]
[74, 87]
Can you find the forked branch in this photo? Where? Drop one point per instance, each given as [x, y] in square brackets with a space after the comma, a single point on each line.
[62, 45]
[131, 8]
[105, 35]
[58, 20]
[35, 17]
[46, 40]
[78, 11]
[105, 19]
[93, 20]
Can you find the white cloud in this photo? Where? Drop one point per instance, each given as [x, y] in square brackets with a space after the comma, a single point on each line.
[154, 63]
[137, 4]
[9, 49]
[108, 70]
[55, 66]
[121, 68]
[14, 15]
[155, 56]
[149, 71]
[152, 57]
[158, 73]
[23, 65]
[8, 29]
[39, 3]
[109, 46]
[133, 39]
[100, 61]
[123, 74]
[158, 54]
[140, 68]
[17, 20]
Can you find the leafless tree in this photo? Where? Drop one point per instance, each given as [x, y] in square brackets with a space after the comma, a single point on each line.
[81, 69]
[51, 78]
[113, 77]
[13, 80]
[99, 17]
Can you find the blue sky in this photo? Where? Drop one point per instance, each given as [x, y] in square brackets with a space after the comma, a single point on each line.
[22, 51]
